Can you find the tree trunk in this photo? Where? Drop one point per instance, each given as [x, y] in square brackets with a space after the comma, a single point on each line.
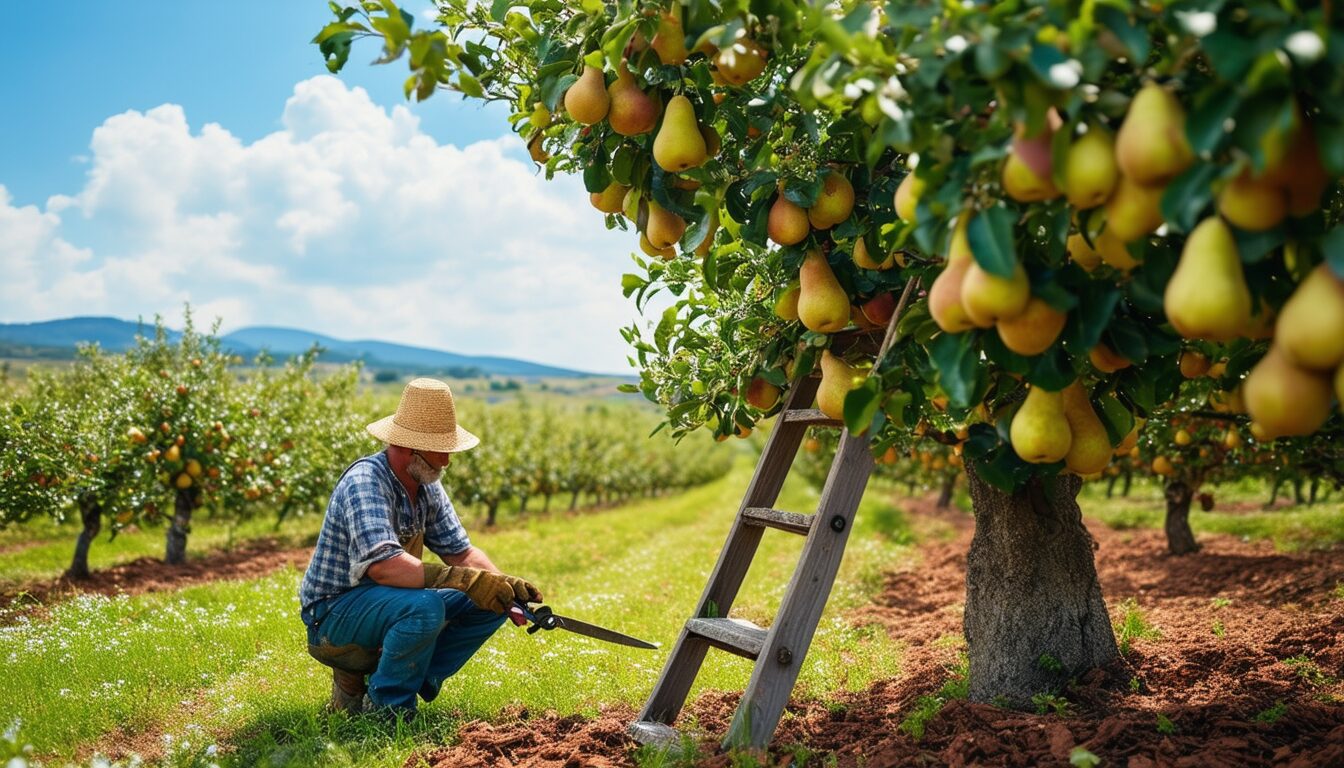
[574, 500]
[1034, 614]
[91, 514]
[491, 512]
[1129, 480]
[1180, 539]
[546, 507]
[1297, 491]
[183, 504]
[945, 495]
[522, 504]
[1311, 494]
[1110, 485]
[1274, 492]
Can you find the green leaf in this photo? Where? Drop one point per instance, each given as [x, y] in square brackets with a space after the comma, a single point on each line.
[554, 88]
[1255, 246]
[631, 283]
[632, 388]
[469, 85]
[1188, 195]
[803, 193]
[1134, 37]
[1053, 370]
[991, 238]
[1332, 245]
[861, 405]
[1115, 417]
[957, 360]
[1097, 302]
[499, 9]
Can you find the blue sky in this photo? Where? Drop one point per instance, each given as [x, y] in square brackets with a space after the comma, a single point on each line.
[160, 151]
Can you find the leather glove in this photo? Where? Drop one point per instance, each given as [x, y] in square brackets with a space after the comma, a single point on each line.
[488, 590]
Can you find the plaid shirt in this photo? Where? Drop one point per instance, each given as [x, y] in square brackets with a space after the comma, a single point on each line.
[369, 519]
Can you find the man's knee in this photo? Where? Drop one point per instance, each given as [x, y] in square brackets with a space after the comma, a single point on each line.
[424, 611]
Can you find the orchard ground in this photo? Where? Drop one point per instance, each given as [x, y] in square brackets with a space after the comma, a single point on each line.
[1232, 654]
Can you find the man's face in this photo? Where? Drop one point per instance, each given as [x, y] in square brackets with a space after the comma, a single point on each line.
[427, 466]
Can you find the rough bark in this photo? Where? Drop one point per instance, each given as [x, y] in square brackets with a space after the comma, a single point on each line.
[91, 515]
[1034, 614]
[1180, 539]
[573, 500]
[945, 494]
[186, 500]
[491, 513]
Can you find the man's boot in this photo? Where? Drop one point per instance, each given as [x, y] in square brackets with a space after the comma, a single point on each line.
[347, 691]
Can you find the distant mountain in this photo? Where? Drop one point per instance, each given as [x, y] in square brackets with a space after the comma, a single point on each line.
[56, 339]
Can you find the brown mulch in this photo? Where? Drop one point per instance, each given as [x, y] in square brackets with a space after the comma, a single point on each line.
[1218, 694]
[256, 558]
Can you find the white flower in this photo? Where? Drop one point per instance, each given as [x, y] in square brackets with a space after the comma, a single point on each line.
[889, 108]
[1305, 46]
[955, 44]
[912, 161]
[894, 89]
[1198, 23]
[873, 25]
[1066, 74]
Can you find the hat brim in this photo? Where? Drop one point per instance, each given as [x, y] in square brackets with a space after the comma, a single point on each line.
[387, 430]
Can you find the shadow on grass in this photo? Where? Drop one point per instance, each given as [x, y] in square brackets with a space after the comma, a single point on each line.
[312, 736]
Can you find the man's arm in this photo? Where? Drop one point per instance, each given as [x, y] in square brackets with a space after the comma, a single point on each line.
[400, 570]
[472, 557]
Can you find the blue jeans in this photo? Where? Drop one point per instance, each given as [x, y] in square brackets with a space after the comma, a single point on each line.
[426, 635]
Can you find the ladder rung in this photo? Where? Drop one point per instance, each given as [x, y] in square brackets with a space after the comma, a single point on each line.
[737, 636]
[655, 734]
[778, 518]
[811, 416]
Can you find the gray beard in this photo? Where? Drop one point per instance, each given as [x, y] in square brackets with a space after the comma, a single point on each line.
[421, 471]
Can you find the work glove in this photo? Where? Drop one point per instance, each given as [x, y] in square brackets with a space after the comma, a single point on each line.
[488, 590]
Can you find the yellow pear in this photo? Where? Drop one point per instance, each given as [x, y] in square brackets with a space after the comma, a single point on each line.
[1039, 431]
[907, 197]
[586, 100]
[761, 394]
[1285, 400]
[838, 378]
[822, 303]
[1151, 147]
[1129, 441]
[1090, 171]
[1106, 360]
[945, 294]
[670, 40]
[666, 254]
[1133, 210]
[1310, 329]
[863, 260]
[611, 199]
[740, 62]
[989, 298]
[1163, 466]
[1033, 331]
[1114, 253]
[665, 228]
[787, 222]
[1090, 449]
[1193, 364]
[1252, 204]
[632, 112]
[1023, 184]
[679, 144]
[1339, 386]
[786, 306]
[1301, 173]
[835, 201]
[1207, 297]
[1081, 253]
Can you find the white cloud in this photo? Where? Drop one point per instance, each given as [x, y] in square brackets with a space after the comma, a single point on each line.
[348, 221]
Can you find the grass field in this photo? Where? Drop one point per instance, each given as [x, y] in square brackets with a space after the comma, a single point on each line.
[222, 666]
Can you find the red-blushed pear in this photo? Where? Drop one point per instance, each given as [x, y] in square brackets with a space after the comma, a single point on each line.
[761, 394]
[1034, 330]
[880, 308]
[632, 112]
[1039, 432]
[1193, 364]
[1310, 328]
[823, 305]
[1251, 204]
[611, 199]
[1106, 360]
[1285, 400]
[907, 197]
[1023, 184]
[1133, 210]
[1151, 147]
[838, 379]
[666, 254]
[945, 294]
[989, 298]
[586, 100]
[679, 144]
[786, 306]
[670, 40]
[1090, 446]
[863, 260]
[835, 201]
[1090, 170]
[665, 228]
[1206, 297]
[786, 223]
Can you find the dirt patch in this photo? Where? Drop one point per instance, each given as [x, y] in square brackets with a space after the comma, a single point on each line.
[254, 559]
[1245, 673]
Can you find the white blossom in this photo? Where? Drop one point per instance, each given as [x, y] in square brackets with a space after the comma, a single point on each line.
[1198, 23]
[1305, 46]
[955, 44]
[1066, 74]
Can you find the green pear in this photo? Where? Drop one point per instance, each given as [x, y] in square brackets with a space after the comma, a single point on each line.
[1039, 431]
[1285, 400]
[786, 223]
[786, 306]
[1207, 297]
[1090, 171]
[823, 305]
[586, 100]
[679, 144]
[989, 298]
[1251, 204]
[838, 379]
[1023, 184]
[835, 201]
[864, 260]
[665, 228]
[907, 197]
[632, 112]
[1090, 449]
[1133, 210]
[670, 40]
[945, 304]
[1033, 331]
[1151, 147]
[1310, 328]
[611, 199]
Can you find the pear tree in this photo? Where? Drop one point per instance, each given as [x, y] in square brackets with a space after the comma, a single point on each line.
[1047, 198]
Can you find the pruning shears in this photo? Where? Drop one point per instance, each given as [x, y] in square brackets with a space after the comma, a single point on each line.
[542, 617]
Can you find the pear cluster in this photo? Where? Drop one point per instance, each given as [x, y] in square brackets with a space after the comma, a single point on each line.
[1061, 426]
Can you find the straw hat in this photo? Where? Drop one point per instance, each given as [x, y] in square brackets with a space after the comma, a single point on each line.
[425, 420]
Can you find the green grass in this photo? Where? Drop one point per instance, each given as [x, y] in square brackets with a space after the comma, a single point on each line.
[1133, 625]
[927, 707]
[226, 661]
[1291, 529]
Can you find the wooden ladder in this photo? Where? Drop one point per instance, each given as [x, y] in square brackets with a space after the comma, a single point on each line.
[778, 652]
